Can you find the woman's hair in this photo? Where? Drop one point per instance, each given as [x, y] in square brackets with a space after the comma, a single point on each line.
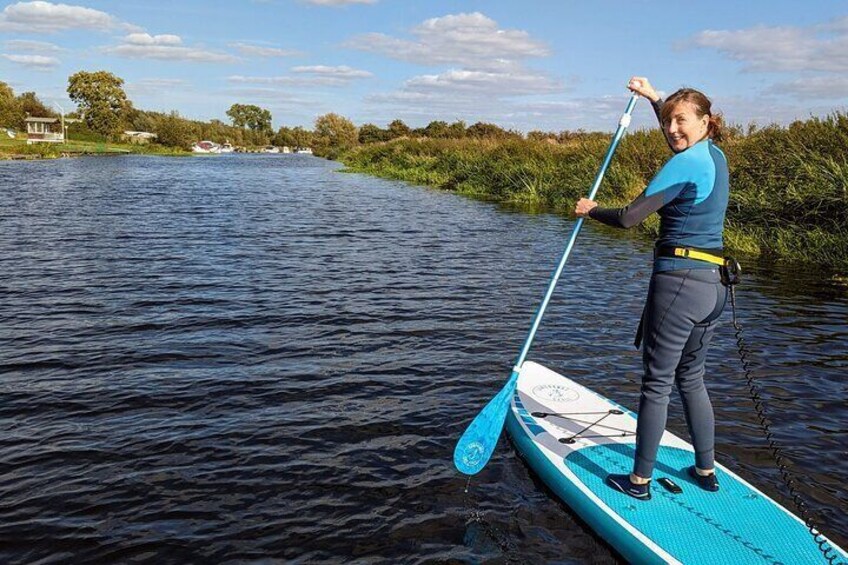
[703, 107]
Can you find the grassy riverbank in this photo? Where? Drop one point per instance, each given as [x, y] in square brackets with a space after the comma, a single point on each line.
[789, 185]
[18, 149]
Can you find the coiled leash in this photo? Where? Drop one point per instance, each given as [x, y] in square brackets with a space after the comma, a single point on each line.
[731, 275]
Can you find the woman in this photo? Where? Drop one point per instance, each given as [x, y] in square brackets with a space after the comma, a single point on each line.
[685, 295]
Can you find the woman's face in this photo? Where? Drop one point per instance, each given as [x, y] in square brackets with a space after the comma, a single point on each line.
[684, 128]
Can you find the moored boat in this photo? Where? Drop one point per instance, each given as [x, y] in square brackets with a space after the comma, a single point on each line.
[206, 147]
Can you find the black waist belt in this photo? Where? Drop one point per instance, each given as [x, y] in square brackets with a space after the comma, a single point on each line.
[714, 256]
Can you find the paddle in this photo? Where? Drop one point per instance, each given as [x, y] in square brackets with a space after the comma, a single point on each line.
[476, 445]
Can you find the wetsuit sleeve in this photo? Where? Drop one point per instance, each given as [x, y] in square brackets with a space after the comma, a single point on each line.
[663, 188]
[657, 106]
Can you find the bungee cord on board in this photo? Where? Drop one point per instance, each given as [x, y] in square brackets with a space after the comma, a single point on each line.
[731, 273]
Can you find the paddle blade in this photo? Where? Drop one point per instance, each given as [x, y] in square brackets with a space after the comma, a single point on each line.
[476, 445]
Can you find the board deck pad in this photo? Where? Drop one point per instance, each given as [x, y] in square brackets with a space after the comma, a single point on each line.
[738, 524]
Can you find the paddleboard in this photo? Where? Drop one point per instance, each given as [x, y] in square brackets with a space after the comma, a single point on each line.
[583, 437]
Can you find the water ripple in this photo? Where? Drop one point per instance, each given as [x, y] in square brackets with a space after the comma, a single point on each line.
[254, 357]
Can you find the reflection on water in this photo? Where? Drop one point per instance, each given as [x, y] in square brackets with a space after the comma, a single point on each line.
[254, 357]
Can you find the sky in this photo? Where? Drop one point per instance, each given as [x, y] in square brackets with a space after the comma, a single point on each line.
[547, 65]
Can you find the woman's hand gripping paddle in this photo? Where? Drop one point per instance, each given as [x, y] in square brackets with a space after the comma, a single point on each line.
[476, 445]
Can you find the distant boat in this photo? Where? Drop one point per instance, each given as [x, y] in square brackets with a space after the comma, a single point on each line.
[227, 148]
[206, 147]
[271, 149]
[304, 151]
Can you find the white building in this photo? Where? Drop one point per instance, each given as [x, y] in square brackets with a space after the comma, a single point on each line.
[44, 130]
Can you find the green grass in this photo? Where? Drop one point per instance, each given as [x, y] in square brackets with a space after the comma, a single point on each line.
[15, 148]
[789, 185]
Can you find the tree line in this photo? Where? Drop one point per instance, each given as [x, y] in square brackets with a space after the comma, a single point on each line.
[105, 112]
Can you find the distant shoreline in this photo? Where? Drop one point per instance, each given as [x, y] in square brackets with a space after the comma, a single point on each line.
[18, 150]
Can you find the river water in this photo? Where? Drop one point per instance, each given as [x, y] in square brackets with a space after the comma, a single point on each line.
[259, 358]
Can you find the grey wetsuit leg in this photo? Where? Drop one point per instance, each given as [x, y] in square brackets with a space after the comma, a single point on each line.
[679, 322]
[697, 407]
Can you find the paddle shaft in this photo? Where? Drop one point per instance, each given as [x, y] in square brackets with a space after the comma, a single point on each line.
[477, 443]
[619, 133]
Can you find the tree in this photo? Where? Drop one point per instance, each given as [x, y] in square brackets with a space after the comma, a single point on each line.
[215, 130]
[175, 131]
[456, 130]
[302, 137]
[334, 135]
[567, 135]
[482, 130]
[369, 133]
[6, 92]
[436, 129]
[141, 120]
[251, 117]
[14, 109]
[539, 135]
[285, 137]
[398, 129]
[31, 105]
[11, 115]
[101, 97]
[295, 137]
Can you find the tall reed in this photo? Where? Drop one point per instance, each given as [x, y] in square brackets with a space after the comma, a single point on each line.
[789, 185]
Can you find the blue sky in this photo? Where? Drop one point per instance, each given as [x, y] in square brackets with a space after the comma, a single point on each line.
[548, 65]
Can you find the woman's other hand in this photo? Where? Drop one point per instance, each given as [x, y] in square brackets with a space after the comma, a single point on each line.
[584, 206]
[642, 86]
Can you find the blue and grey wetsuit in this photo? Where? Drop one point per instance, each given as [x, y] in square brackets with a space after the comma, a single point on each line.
[685, 296]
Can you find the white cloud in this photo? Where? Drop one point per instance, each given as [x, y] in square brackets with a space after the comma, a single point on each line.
[786, 48]
[147, 39]
[418, 109]
[483, 83]
[435, 104]
[767, 109]
[153, 86]
[46, 17]
[288, 81]
[468, 40]
[272, 97]
[166, 47]
[468, 92]
[487, 73]
[838, 25]
[240, 79]
[341, 72]
[250, 50]
[339, 2]
[319, 75]
[32, 46]
[817, 55]
[37, 62]
[454, 95]
[820, 87]
[601, 112]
